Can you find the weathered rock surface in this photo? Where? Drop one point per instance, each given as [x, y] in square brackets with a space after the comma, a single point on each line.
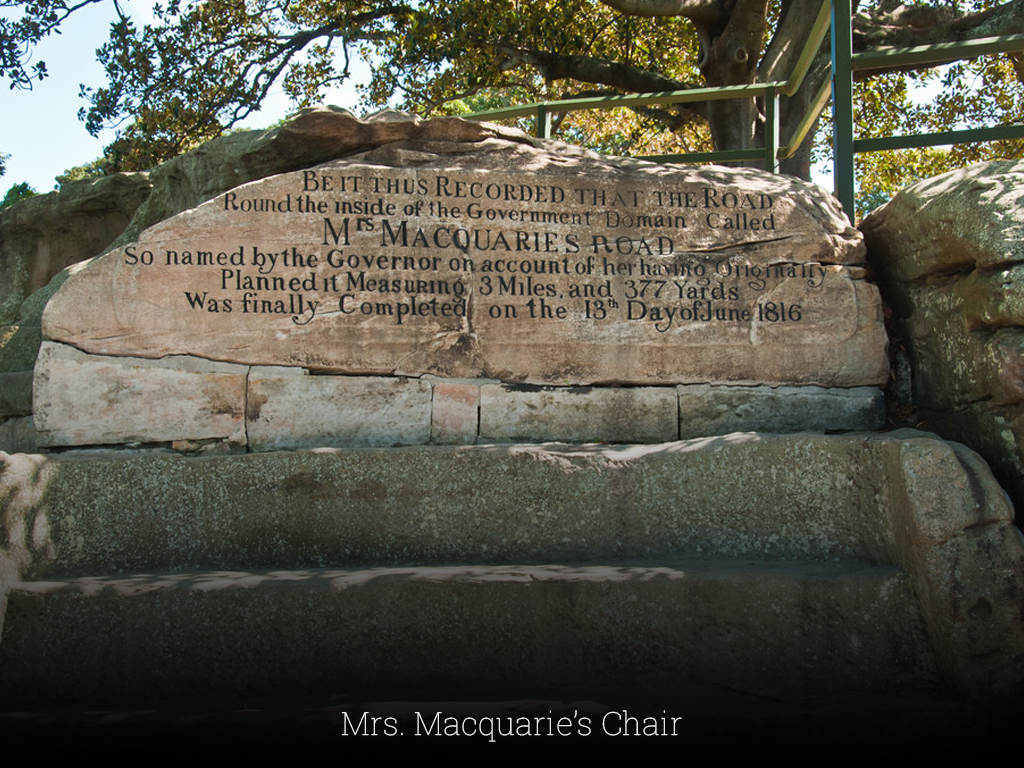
[197, 404]
[949, 256]
[865, 562]
[123, 400]
[44, 234]
[285, 409]
[708, 410]
[15, 393]
[475, 628]
[310, 137]
[39, 237]
[584, 415]
[464, 251]
[19, 348]
[455, 412]
[762, 281]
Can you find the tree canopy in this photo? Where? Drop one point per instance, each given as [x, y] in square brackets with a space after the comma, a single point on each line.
[196, 69]
[17, 193]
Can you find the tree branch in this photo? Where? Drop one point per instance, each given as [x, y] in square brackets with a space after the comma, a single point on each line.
[17, 38]
[708, 12]
[618, 76]
[589, 69]
[788, 39]
[734, 50]
[906, 25]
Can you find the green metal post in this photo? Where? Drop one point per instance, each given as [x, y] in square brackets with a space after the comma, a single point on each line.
[842, 105]
[771, 130]
[543, 128]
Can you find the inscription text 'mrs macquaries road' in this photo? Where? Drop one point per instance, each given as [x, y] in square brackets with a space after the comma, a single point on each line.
[565, 275]
[403, 247]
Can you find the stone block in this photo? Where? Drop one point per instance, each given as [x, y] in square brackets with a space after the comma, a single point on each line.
[718, 410]
[82, 399]
[839, 551]
[578, 414]
[285, 410]
[455, 416]
[948, 253]
[44, 234]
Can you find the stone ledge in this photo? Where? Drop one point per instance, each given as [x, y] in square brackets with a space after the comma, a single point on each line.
[716, 410]
[906, 499]
[513, 413]
[327, 630]
[285, 410]
[84, 399]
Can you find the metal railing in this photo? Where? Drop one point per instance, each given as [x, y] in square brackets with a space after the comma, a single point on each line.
[834, 15]
[771, 153]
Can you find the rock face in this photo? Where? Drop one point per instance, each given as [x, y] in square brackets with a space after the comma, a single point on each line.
[469, 252]
[453, 283]
[949, 256]
[463, 252]
[39, 237]
[43, 235]
[311, 137]
[870, 563]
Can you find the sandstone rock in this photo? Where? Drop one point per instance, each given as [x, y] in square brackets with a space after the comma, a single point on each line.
[122, 400]
[19, 345]
[434, 629]
[950, 533]
[16, 393]
[18, 435]
[47, 233]
[462, 250]
[310, 137]
[455, 412]
[40, 237]
[287, 410]
[949, 256]
[85, 399]
[891, 557]
[577, 415]
[959, 222]
[707, 410]
[44, 234]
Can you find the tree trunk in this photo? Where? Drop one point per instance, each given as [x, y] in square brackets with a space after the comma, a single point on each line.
[729, 57]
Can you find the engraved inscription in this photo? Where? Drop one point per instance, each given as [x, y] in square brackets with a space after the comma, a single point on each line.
[591, 274]
[404, 247]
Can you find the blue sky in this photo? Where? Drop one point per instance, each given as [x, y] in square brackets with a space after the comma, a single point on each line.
[40, 129]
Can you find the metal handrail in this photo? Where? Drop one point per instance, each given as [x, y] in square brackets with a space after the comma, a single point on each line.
[639, 100]
[935, 54]
[772, 151]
